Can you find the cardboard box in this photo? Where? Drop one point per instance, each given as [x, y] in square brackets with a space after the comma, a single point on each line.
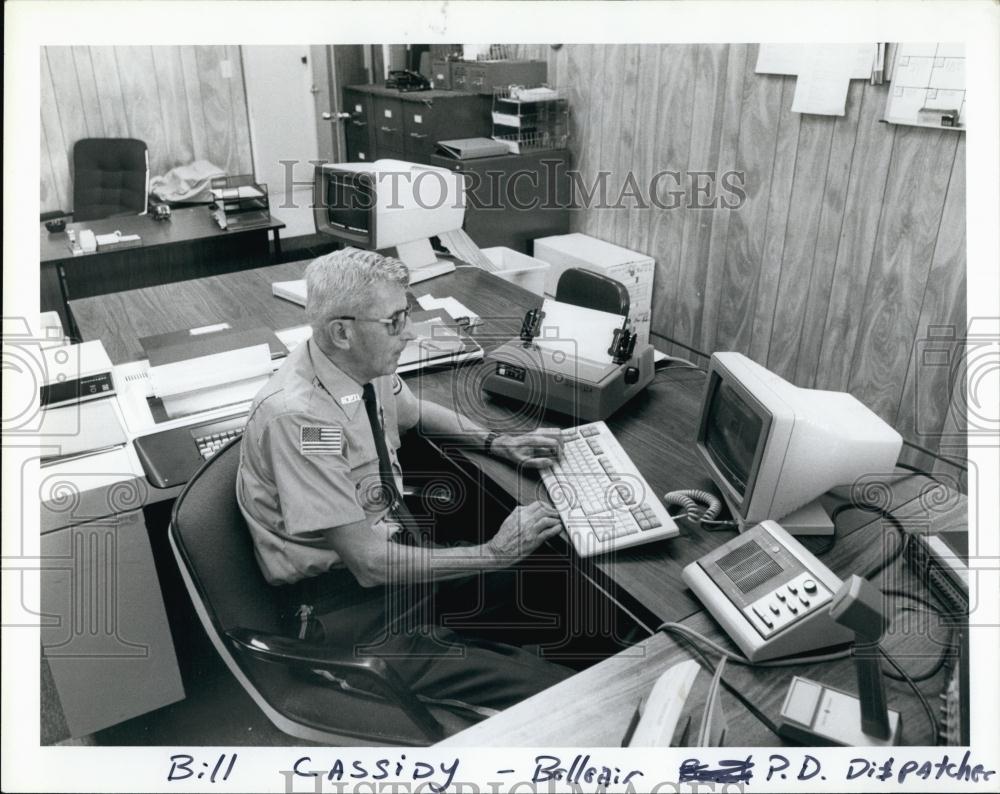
[631, 268]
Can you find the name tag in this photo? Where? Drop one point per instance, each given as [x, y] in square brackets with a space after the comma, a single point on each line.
[350, 398]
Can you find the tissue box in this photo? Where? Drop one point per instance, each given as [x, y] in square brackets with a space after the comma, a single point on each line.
[631, 268]
[517, 268]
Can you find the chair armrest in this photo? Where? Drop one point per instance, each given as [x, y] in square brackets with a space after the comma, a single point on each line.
[297, 653]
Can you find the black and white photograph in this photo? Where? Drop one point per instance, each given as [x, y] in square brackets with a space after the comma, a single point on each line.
[606, 405]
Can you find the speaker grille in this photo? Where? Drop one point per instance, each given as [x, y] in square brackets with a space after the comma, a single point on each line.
[749, 566]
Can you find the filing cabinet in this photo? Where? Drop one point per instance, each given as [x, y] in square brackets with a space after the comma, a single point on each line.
[359, 131]
[104, 634]
[405, 125]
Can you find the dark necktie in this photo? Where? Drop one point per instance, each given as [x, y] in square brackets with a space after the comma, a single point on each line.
[389, 490]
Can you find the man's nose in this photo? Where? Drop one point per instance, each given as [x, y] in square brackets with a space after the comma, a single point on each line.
[407, 334]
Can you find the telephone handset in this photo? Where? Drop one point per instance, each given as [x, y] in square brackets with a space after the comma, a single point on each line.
[770, 594]
[407, 80]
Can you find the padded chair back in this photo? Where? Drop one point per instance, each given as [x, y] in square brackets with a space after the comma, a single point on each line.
[592, 291]
[209, 530]
[110, 177]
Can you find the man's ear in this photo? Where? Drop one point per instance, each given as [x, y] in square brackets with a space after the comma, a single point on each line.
[339, 333]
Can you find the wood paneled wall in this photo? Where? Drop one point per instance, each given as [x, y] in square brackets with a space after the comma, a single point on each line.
[187, 103]
[849, 248]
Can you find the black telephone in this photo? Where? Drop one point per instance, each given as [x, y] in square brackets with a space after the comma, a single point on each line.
[406, 80]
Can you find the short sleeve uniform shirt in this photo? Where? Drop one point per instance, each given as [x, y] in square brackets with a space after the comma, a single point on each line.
[308, 462]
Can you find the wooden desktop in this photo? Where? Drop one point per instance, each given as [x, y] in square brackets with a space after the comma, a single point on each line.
[657, 430]
[188, 245]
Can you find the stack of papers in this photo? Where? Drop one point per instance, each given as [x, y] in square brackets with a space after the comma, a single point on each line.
[459, 312]
[436, 344]
[294, 291]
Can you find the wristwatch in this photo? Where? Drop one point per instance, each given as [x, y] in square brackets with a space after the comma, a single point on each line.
[488, 441]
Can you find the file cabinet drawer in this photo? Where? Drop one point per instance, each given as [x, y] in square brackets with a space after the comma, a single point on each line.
[420, 130]
[388, 123]
[358, 132]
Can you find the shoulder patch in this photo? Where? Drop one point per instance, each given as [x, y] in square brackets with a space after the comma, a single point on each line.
[397, 384]
[321, 440]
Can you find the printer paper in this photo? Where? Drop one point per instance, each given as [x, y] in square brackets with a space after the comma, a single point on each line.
[577, 331]
[204, 372]
[230, 394]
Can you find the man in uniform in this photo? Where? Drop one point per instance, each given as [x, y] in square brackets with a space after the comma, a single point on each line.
[319, 487]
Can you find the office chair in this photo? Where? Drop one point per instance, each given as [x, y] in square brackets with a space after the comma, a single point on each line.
[592, 291]
[240, 613]
[110, 177]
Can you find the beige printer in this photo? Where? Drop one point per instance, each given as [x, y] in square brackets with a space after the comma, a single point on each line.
[573, 360]
[88, 468]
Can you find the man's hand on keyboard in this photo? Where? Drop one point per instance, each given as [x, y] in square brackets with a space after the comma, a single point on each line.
[537, 450]
[523, 531]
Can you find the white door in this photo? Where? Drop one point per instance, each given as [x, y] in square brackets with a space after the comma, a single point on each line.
[282, 118]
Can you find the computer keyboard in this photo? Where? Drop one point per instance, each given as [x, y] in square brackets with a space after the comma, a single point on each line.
[210, 443]
[171, 457]
[603, 500]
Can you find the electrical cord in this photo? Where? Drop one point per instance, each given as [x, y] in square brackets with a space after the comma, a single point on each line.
[679, 628]
[885, 515]
[931, 454]
[947, 652]
[692, 637]
[673, 367]
[928, 711]
[700, 508]
[744, 701]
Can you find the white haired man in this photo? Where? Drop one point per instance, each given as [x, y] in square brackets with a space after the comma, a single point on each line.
[318, 484]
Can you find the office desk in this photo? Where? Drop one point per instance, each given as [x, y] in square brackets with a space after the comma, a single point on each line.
[189, 245]
[656, 429]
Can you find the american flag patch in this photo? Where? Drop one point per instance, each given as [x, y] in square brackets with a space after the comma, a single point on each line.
[321, 440]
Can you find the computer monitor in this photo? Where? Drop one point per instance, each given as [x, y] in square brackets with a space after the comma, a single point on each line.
[773, 448]
[390, 204]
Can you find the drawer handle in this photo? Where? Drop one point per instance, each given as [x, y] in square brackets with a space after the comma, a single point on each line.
[360, 123]
[387, 129]
[418, 135]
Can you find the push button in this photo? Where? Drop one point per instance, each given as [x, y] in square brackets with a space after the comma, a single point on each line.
[809, 586]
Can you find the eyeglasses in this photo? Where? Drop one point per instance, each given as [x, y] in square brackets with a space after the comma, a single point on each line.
[394, 324]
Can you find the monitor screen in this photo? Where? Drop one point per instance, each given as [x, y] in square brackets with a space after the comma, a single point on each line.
[349, 203]
[733, 432]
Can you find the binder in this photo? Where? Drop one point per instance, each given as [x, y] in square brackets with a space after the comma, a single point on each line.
[184, 345]
[472, 148]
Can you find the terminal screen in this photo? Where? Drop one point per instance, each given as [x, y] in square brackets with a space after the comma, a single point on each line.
[732, 433]
[349, 203]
